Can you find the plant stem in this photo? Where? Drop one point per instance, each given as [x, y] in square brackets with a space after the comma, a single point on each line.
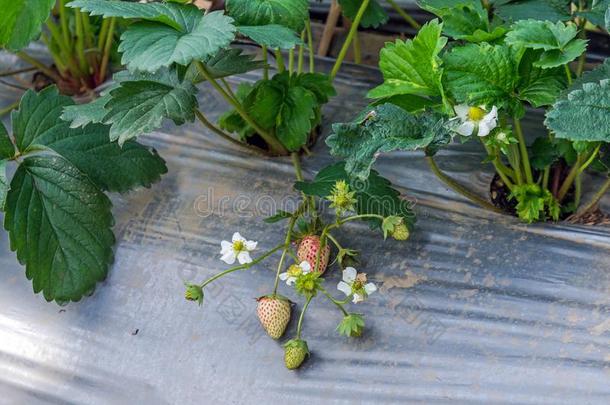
[336, 302]
[545, 177]
[63, 20]
[80, 43]
[16, 72]
[596, 198]
[458, 188]
[565, 187]
[301, 53]
[568, 74]
[350, 36]
[296, 162]
[515, 162]
[9, 108]
[300, 324]
[523, 149]
[410, 20]
[107, 49]
[101, 39]
[310, 45]
[577, 189]
[290, 61]
[208, 124]
[333, 240]
[39, 65]
[280, 61]
[499, 166]
[242, 266]
[266, 62]
[274, 144]
[286, 247]
[228, 88]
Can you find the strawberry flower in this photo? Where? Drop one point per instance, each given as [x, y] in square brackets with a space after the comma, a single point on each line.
[355, 284]
[239, 248]
[476, 120]
[295, 271]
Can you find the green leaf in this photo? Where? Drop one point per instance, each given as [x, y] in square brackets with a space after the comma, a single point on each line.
[21, 21]
[295, 119]
[273, 36]
[466, 20]
[557, 40]
[7, 150]
[319, 84]
[179, 17]
[4, 186]
[38, 116]
[373, 16]
[412, 67]
[289, 13]
[539, 86]
[544, 153]
[60, 226]
[551, 10]
[481, 74]
[139, 107]
[80, 115]
[109, 166]
[584, 115]
[231, 120]
[607, 18]
[374, 196]
[351, 325]
[225, 63]
[264, 103]
[601, 72]
[383, 129]
[597, 13]
[148, 46]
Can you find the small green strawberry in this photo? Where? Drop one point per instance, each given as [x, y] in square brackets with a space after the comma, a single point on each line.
[400, 232]
[295, 351]
[274, 313]
[308, 251]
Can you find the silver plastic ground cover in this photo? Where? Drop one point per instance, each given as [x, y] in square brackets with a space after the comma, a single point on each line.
[475, 308]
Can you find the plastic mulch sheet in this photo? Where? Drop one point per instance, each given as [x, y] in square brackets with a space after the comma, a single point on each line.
[475, 308]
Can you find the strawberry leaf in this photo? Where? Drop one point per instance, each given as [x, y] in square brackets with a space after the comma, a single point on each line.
[374, 196]
[59, 224]
[558, 41]
[601, 72]
[273, 36]
[7, 150]
[288, 13]
[551, 10]
[21, 21]
[539, 86]
[149, 46]
[584, 115]
[412, 67]
[383, 129]
[373, 17]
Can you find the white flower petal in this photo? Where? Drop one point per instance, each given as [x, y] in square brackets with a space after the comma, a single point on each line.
[291, 280]
[344, 288]
[349, 275]
[466, 129]
[228, 257]
[305, 266]
[251, 245]
[238, 237]
[370, 288]
[484, 129]
[357, 298]
[225, 246]
[244, 257]
[284, 276]
[462, 111]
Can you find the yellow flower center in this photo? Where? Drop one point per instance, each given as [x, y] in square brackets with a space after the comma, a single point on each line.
[476, 113]
[294, 271]
[238, 246]
[309, 285]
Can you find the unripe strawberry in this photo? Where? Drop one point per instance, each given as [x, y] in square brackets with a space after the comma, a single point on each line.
[308, 251]
[400, 232]
[295, 351]
[274, 313]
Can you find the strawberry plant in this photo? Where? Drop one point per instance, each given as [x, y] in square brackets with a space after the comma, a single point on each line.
[474, 74]
[53, 184]
[169, 48]
[306, 251]
[81, 47]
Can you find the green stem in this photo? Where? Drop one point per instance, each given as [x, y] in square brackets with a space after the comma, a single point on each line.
[410, 20]
[280, 61]
[335, 241]
[101, 39]
[515, 162]
[301, 53]
[310, 45]
[523, 150]
[296, 162]
[80, 44]
[357, 49]
[565, 187]
[274, 144]
[502, 170]
[545, 177]
[38, 64]
[9, 108]
[64, 48]
[300, 324]
[208, 124]
[290, 61]
[350, 37]
[336, 302]
[287, 246]
[596, 198]
[242, 266]
[229, 89]
[458, 188]
[568, 74]
[590, 160]
[107, 49]
[266, 62]
[577, 189]
[63, 20]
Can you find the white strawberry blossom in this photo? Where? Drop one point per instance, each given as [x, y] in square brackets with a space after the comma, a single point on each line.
[355, 284]
[295, 271]
[239, 248]
[476, 120]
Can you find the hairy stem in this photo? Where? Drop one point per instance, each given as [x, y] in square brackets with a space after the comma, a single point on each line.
[410, 20]
[107, 49]
[458, 188]
[523, 149]
[310, 46]
[300, 324]
[336, 302]
[350, 37]
[592, 204]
